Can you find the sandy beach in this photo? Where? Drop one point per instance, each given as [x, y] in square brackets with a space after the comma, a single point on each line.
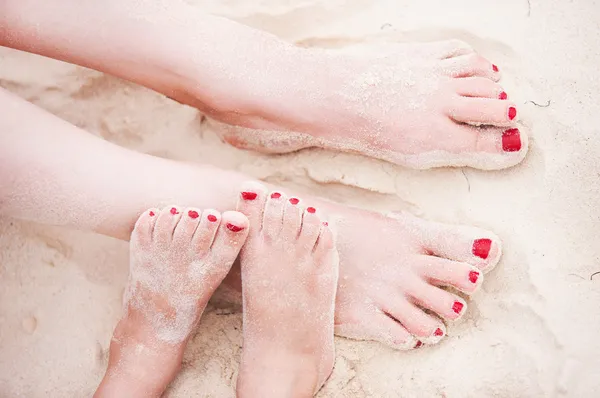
[531, 331]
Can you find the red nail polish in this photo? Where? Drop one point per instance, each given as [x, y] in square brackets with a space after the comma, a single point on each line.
[511, 140]
[212, 218]
[481, 247]
[457, 307]
[495, 68]
[311, 209]
[512, 112]
[473, 276]
[234, 228]
[249, 195]
[419, 344]
[174, 211]
[325, 223]
[294, 201]
[503, 96]
[151, 213]
[193, 214]
[438, 332]
[275, 195]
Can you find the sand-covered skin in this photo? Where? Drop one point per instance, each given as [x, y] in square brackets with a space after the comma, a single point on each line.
[531, 331]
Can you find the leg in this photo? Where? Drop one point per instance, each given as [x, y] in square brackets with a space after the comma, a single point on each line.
[178, 259]
[419, 105]
[289, 279]
[390, 268]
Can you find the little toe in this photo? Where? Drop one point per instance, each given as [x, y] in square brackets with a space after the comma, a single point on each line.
[326, 241]
[208, 224]
[292, 218]
[423, 326]
[445, 304]
[478, 111]
[471, 65]
[311, 227]
[144, 226]
[479, 87]
[165, 225]
[230, 237]
[251, 202]
[381, 328]
[442, 272]
[273, 215]
[184, 231]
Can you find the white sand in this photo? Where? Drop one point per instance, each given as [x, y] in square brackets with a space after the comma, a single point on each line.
[531, 332]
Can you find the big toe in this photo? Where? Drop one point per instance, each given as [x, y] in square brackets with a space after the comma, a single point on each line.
[230, 237]
[251, 203]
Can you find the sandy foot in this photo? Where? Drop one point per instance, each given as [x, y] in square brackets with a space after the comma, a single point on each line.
[289, 278]
[418, 105]
[178, 257]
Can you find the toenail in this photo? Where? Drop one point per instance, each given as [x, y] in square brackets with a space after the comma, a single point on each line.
[249, 195]
[193, 214]
[419, 344]
[438, 332]
[151, 213]
[294, 201]
[211, 218]
[481, 247]
[457, 307]
[275, 195]
[234, 228]
[511, 140]
[174, 211]
[503, 96]
[495, 68]
[512, 112]
[473, 276]
[325, 223]
[311, 209]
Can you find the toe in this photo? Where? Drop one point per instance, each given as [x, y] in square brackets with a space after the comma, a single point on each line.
[445, 304]
[208, 224]
[471, 65]
[251, 202]
[273, 215]
[184, 231]
[292, 218]
[326, 241]
[479, 87]
[381, 328]
[471, 245]
[442, 272]
[477, 111]
[165, 225]
[230, 238]
[311, 227]
[421, 325]
[452, 48]
[144, 226]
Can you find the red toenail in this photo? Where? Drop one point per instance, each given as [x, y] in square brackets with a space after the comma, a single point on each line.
[511, 140]
[174, 211]
[234, 228]
[495, 68]
[193, 214]
[325, 223]
[457, 307]
[419, 344]
[211, 218]
[512, 112]
[438, 332]
[473, 276]
[294, 201]
[311, 209]
[275, 195]
[503, 96]
[249, 195]
[481, 247]
[151, 213]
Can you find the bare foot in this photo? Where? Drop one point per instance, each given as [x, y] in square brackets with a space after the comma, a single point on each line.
[178, 258]
[418, 105]
[289, 277]
[392, 270]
